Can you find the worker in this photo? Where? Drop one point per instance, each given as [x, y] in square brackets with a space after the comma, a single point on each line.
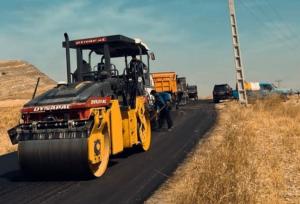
[137, 67]
[140, 66]
[162, 109]
[179, 98]
[167, 98]
[86, 68]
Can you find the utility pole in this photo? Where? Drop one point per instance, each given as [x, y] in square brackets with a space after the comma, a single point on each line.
[239, 68]
[278, 82]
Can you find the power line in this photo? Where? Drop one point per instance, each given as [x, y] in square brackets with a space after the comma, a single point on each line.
[259, 19]
[262, 20]
[293, 34]
[285, 32]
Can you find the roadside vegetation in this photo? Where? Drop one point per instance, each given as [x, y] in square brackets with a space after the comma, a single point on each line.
[18, 80]
[9, 117]
[251, 156]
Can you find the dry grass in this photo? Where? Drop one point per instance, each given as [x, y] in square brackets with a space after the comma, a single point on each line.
[252, 156]
[9, 117]
[17, 83]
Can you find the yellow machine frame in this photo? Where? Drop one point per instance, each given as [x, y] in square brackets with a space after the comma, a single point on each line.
[115, 130]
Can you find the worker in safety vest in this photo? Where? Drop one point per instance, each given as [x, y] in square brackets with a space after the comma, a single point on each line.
[162, 109]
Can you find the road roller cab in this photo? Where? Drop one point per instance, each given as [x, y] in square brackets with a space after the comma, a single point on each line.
[100, 111]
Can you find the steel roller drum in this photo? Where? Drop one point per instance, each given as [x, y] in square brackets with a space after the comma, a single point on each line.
[54, 156]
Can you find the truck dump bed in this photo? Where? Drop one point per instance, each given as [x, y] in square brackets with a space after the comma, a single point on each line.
[165, 81]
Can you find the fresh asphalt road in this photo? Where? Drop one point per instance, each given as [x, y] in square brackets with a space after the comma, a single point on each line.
[131, 177]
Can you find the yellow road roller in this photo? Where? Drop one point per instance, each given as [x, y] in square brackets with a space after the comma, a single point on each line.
[100, 110]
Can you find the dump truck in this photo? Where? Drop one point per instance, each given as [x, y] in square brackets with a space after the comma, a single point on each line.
[100, 111]
[192, 92]
[182, 91]
[165, 82]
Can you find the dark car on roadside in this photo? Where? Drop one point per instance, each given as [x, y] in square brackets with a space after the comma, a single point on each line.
[221, 92]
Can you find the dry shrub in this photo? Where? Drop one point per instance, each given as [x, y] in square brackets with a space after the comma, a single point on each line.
[252, 156]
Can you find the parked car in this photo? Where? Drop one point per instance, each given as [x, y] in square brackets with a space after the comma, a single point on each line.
[221, 92]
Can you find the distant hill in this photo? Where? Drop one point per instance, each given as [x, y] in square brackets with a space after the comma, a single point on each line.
[18, 80]
[17, 83]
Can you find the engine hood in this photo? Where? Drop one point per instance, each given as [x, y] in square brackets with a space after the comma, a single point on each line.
[73, 93]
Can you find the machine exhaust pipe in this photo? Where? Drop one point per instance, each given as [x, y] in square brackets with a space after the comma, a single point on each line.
[36, 86]
[68, 58]
[107, 59]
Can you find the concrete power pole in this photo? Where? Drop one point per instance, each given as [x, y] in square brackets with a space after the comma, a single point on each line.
[239, 68]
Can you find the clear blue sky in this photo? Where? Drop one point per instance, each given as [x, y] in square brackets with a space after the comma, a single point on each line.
[191, 37]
